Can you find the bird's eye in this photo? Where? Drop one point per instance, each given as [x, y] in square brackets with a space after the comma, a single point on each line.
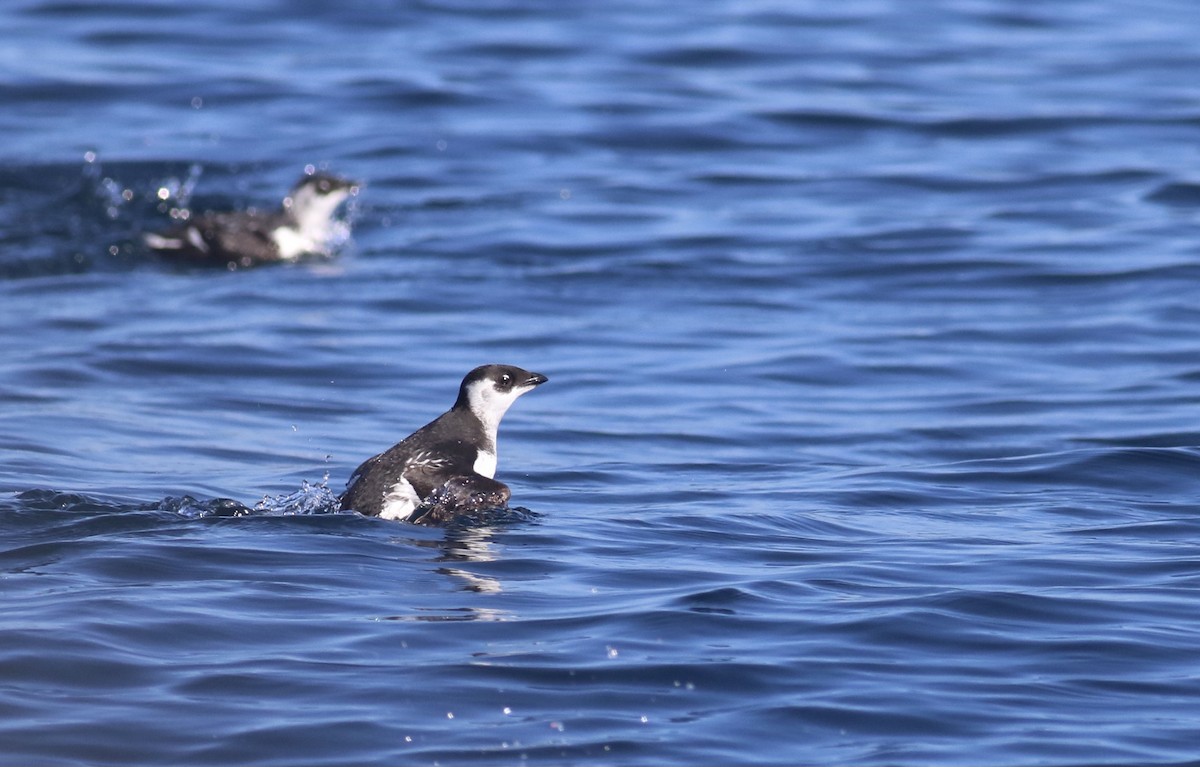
[505, 379]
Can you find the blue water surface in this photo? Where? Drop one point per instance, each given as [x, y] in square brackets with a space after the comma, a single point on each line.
[872, 432]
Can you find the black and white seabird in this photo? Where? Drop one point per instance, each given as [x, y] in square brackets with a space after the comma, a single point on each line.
[302, 225]
[446, 467]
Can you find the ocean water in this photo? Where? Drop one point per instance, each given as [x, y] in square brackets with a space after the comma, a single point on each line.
[872, 433]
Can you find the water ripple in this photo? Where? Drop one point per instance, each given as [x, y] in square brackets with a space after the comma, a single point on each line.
[870, 437]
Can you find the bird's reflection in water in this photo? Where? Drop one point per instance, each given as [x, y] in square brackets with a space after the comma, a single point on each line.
[469, 545]
[465, 541]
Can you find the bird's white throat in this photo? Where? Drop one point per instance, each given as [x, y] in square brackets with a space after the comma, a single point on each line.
[489, 405]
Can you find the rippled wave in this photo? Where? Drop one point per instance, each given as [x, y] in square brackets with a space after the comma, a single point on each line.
[870, 437]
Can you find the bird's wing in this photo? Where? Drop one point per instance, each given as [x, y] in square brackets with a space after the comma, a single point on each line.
[428, 469]
[460, 495]
[242, 237]
[239, 238]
